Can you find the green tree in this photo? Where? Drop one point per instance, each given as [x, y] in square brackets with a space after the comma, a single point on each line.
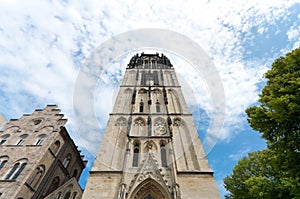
[278, 115]
[257, 177]
[277, 118]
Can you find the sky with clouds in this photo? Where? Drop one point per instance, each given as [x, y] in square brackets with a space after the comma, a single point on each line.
[44, 45]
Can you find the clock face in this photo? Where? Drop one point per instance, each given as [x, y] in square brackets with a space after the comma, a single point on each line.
[160, 129]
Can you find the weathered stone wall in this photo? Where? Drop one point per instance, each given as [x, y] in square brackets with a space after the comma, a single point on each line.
[31, 140]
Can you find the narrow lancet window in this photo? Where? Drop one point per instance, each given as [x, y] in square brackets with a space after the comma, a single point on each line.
[136, 151]
[163, 155]
[141, 106]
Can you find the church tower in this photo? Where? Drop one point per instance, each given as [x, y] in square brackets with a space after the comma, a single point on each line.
[150, 148]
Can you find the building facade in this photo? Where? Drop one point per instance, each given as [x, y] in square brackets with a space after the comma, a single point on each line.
[150, 148]
[37, 156]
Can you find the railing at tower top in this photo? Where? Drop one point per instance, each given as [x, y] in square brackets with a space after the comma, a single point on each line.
[149, 61]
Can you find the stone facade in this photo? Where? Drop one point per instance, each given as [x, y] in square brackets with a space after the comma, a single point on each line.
[2, 120]
[150, 148]
[37, 155]
[69, 190]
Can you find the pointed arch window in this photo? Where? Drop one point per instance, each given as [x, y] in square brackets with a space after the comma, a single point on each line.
[163, 155]
[136, 151]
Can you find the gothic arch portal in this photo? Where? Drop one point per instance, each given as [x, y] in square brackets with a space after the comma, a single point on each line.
[150, 186]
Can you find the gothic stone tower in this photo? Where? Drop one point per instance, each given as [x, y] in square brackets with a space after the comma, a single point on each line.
[150, 148]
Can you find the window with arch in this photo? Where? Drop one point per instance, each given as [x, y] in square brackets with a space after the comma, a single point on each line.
[55, 147]
[59, 195]
[40, 140]
[139, 126]
[67, 195]
[3, 161]
[16, 170]
[163, 155]
[67, 160]
[121, 122]
[54, 185]
[37, 176]
[74, 195]
[4, 139]
[22, 139]
[136, 151]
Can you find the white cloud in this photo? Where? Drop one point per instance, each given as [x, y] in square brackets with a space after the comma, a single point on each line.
[241, 153]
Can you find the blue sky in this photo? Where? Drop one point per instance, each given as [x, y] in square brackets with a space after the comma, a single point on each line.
[43, 45]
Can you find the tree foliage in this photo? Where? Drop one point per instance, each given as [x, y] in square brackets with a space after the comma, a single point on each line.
[275, 171]
[258, 176]
[278, 116]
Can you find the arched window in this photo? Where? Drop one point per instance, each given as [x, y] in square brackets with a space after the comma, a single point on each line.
[163, 155]
[67, 160]
[22, 167]
[68, 194]
[4, 139]
[141, 106]
[22, 139]
[37, 176]
[54, 185]
[3, 161]
[55, 147]
[59, 195]
[157, 105]
[74, 195]
[15, 167]
[16, 170]
[136, 151]
[139, 126]
[41, 139]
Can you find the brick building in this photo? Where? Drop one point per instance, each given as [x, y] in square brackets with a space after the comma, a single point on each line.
[38, 157]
